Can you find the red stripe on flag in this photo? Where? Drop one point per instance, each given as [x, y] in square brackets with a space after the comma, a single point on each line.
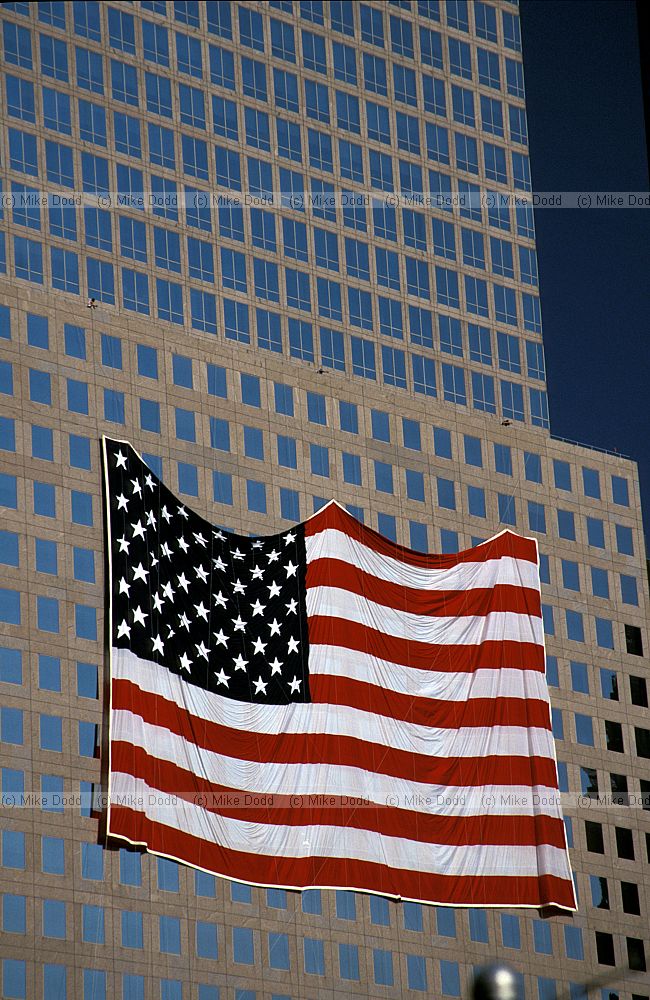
[505, 544]
[296, 748]
[321, 748]
[470, 890]
[476, 712]
[478, 601]
[282, 810]
[329, 631]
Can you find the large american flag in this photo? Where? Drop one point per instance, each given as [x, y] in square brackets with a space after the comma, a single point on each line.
[323, 707]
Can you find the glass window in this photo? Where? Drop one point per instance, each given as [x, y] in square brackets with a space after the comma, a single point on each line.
[11, 665]
[311, 901]
[629, 590]
[278, 945]
[566, 524]
[130, 867]
[510, 931]
[346, 904]
[450, 978]
[132, 929]
[473, 451]
[170, 935]
[53, 855]
[446, 922]
[446, 491]
[243, 945]
[92, 924]
[206, 938]
[383, 967]
[314, 956]
[542, 938]
[416, 970]
[478, 926]
[168, 875]
[599, 582]
[349, 961]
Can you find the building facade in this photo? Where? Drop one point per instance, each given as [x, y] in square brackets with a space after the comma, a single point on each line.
[284, 249]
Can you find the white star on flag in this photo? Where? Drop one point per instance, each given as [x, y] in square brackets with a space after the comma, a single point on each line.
[139, 616]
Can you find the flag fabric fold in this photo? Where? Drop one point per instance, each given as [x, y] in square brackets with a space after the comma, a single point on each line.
[322, 707]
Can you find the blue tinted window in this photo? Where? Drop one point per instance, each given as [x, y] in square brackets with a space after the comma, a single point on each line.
[510, 931]
[566, 524]
[11, 665]
[591, 483]
[130, 867]
[243, 945]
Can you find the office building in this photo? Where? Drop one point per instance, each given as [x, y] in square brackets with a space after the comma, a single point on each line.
[265, 243]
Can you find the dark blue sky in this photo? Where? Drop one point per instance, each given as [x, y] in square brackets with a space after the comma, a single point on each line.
[586, 127]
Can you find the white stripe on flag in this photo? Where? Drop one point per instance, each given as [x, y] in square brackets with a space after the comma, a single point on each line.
[497, 626]
[329, 779]
[334, 544]
[316, 718]
[504, 682]
[331, 841]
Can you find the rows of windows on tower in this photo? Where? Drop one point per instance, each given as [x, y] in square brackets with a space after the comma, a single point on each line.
[133, 257]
